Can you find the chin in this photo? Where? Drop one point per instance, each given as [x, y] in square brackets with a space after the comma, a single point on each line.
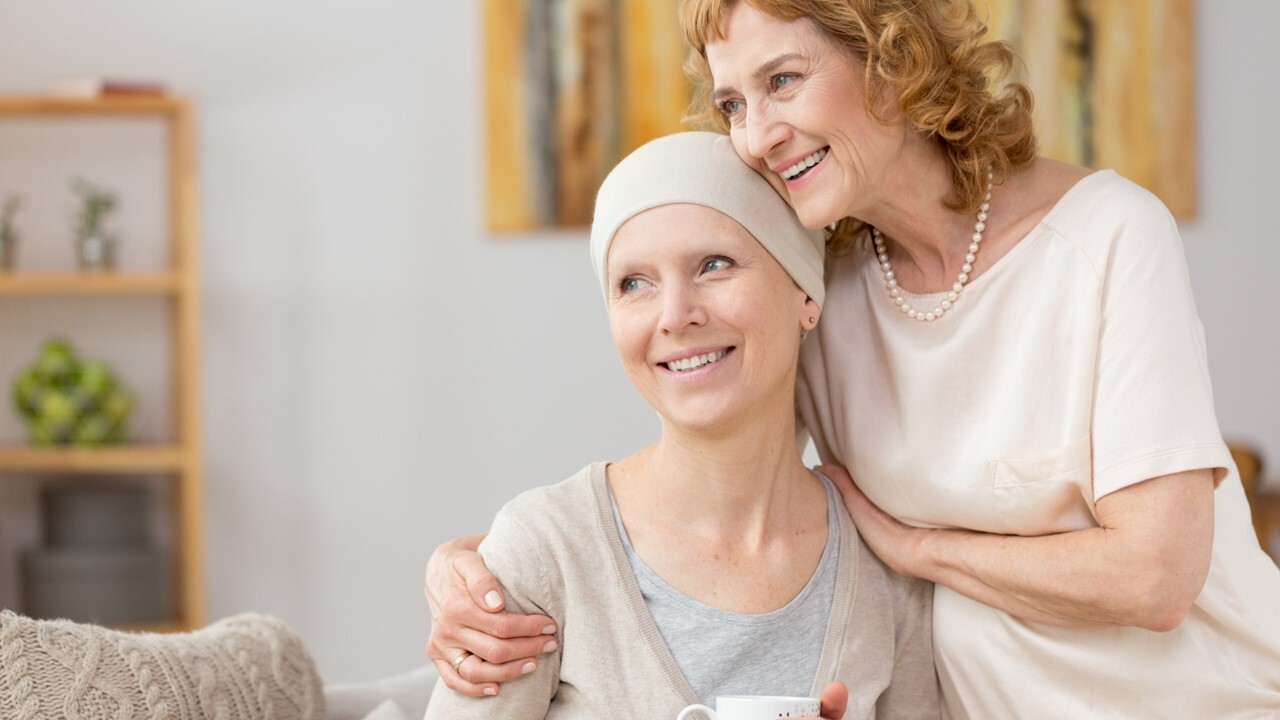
[816, 218]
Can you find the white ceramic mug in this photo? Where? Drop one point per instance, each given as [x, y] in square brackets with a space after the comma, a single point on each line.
[757, 707]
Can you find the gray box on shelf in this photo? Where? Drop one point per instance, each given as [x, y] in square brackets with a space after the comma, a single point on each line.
[97, 564]
[95, 516]
[112, 587]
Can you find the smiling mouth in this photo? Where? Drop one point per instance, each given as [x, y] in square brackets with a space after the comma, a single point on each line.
[695, 362]
[802, 168]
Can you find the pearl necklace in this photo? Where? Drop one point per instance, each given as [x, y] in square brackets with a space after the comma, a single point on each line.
[895, 292]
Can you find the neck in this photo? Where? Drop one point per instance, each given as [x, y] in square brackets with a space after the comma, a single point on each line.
[927, 240]
[747, 485]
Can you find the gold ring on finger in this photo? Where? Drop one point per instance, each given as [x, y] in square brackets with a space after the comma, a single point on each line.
[457, 662]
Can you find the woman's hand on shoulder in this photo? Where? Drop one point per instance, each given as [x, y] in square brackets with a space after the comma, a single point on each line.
[475, 644]
[892, 541]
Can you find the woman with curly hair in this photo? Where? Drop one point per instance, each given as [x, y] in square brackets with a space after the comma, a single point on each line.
[1010, 366]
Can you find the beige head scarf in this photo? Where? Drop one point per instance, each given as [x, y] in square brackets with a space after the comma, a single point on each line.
[702, 168]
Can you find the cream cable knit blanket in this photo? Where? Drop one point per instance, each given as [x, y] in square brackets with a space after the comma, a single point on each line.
[247, 666]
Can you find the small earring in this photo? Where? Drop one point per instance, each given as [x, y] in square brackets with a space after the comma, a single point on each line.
[813, 321]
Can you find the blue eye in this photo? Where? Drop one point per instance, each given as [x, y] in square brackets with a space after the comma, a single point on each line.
[629, 285]
[729, 108]
[716, 263]
[782, 80]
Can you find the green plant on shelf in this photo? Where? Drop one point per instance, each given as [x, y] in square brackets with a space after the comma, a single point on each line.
[96, 248]
[8, 236]
[69, 400]
[12, 203]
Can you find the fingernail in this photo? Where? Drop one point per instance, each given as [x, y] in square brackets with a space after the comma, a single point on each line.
[493, 598]
[549, 630]
[549, 647]
[528, 668]
[490, 691]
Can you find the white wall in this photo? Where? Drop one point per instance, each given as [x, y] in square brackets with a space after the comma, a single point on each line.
[380, 374]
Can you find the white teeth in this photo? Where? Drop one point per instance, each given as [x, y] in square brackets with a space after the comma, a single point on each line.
[697, 361]
[804, 164]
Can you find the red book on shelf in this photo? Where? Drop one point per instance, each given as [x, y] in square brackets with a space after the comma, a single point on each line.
[96, 86]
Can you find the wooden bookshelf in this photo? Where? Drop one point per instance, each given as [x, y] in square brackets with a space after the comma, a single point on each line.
[178, 285]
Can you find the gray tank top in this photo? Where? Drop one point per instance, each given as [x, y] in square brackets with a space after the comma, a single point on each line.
[725, 653]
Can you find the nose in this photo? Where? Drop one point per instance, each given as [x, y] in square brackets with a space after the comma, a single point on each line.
[681, 308]
[764, 130]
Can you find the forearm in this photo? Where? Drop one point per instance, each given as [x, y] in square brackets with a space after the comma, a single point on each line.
[1070, 579]
[1144, 566]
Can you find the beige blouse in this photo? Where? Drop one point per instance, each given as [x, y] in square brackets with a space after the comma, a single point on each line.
[1074, 367]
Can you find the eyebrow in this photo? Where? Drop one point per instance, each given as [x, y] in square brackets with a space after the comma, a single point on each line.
[762, 72]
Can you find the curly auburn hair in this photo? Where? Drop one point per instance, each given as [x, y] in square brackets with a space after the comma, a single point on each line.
[947, 80]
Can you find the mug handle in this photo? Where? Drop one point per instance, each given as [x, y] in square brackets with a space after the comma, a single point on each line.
[695, 708]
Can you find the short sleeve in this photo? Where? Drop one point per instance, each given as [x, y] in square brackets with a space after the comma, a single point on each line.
[1153, 409]
[527, 576]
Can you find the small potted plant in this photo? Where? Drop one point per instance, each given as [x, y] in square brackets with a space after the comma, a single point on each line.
[96, 249]
[8, 236]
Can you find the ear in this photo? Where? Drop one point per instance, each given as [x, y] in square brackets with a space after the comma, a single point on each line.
[809, 315]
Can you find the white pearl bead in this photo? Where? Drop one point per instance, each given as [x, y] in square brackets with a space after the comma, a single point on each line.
[895, 293]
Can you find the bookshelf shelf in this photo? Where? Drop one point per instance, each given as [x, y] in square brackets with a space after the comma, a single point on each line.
[105, 460]
[17, 284]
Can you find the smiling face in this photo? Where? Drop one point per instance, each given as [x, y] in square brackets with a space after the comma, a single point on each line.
[706, 322]
[797, 114]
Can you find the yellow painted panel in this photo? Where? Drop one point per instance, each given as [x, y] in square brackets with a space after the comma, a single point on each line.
[508, 201]
[571, 87]
[1114, 85]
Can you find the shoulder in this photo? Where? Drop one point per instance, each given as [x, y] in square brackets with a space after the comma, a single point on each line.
[1105, 210]
[562, 510]
[541, 542]
[876, 586]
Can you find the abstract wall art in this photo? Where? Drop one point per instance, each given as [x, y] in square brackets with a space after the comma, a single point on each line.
[1114, 82]
[572, 86]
